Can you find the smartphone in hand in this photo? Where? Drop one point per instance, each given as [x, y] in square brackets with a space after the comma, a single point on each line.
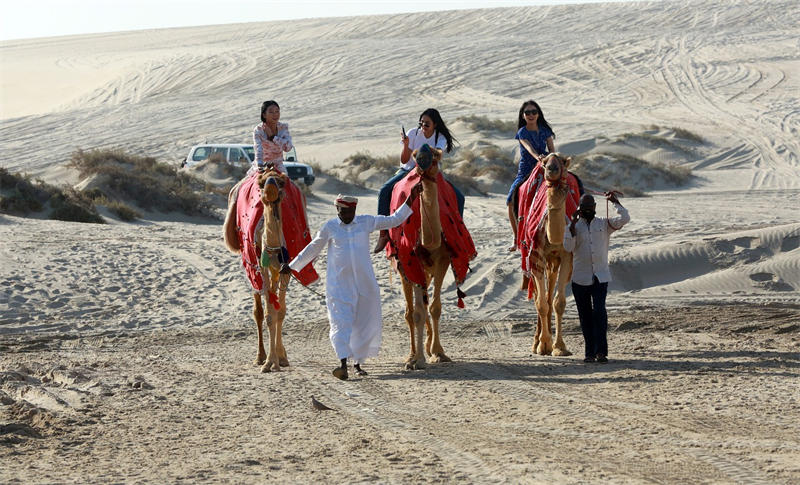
[403, 133]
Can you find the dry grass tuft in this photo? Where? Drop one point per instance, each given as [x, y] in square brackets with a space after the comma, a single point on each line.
[147, 183]
[21, 197]
[629, 174]
[484, 124]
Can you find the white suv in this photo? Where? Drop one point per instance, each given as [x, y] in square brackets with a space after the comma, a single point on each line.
[241, 154]
[236, 154]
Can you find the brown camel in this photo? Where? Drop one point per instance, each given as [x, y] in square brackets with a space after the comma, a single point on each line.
[551, 265]
[435, 259]
[269, 243]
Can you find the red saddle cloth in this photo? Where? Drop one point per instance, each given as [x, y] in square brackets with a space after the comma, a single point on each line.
[250, 210]
[455, 235]
[533, 206]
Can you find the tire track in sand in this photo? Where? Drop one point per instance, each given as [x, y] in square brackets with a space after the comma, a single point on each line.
[373, 410]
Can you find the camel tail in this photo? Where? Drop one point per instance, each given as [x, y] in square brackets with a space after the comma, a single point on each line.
[229, 227]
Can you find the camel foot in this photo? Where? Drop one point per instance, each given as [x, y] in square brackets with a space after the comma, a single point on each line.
[260, 360]
[561, 352]
[543, 349]
[284, 362]
[439, 357]
[415, 364]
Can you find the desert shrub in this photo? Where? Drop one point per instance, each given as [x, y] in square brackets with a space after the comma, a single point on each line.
[21, 195]
[487, 160]
[317, 168]
[618, 170]
[123, 211]
[466, 154]
[355, 165]
[688, 135]
[683, 133]
[365, 160]
[95, 194]
[656, 141]
[484, 124]
[466, 184]
[149, 184]
[70, 205]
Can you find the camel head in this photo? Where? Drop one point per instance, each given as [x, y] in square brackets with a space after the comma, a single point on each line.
[427, 159]
[555, 166]
[271, 183]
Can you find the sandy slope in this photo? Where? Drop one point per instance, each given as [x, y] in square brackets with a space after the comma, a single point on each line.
[125, 349]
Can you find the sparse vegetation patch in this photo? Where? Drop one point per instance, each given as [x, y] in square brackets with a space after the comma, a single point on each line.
[21, 196]
[147, 183]
[629, 174]
[484, 124]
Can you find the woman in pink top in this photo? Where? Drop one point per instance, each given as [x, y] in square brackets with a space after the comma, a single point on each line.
[270, 138]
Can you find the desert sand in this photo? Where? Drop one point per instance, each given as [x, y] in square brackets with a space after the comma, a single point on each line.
[126, 349]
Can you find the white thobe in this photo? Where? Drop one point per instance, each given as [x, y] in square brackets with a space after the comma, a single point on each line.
[351, 290]
[589, 246]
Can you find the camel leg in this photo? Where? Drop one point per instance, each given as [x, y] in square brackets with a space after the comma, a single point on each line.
[560, 303]
[258, 316]
[283, 283]
[436, 351]
[545, 343]
[408, 294]
[552, 270]
[272, 363]
[417, 359]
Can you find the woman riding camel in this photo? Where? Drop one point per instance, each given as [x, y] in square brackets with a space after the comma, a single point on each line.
[270, 138]
[535, 141]
[431, 131]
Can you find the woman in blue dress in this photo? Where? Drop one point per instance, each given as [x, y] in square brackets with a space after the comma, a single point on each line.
[535, 141]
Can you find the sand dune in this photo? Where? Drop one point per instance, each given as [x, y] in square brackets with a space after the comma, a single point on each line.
[129, 344]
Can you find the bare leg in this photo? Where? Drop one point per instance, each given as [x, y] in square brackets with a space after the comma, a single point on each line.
[512, 217]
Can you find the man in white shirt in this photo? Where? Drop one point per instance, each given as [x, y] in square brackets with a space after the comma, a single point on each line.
[352, 294]
[588, 238]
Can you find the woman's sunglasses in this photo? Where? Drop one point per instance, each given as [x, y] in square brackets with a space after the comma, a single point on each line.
[531, 112]
[424, 123]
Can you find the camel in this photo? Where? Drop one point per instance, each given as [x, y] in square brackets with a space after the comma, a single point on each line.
[269, 244]
[551, 265]
[435, 256]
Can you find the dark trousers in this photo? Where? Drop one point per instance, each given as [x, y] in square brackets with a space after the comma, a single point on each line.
[385, 194]
[591, 303]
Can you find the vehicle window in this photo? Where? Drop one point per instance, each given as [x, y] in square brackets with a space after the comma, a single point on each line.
[235, 155]
[251, 153]
[201, 153]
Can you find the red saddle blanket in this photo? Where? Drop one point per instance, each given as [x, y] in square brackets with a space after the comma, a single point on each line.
[455, 235]
[533, 206]
[250, 210]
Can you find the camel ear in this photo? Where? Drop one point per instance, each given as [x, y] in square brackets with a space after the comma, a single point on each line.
[437, 154]
[567, 161]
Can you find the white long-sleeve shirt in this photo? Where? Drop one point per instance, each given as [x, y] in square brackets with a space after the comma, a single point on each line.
[590, 246]
[351, 290]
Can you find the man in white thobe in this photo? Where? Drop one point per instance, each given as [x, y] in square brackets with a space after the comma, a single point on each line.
[352, 294]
